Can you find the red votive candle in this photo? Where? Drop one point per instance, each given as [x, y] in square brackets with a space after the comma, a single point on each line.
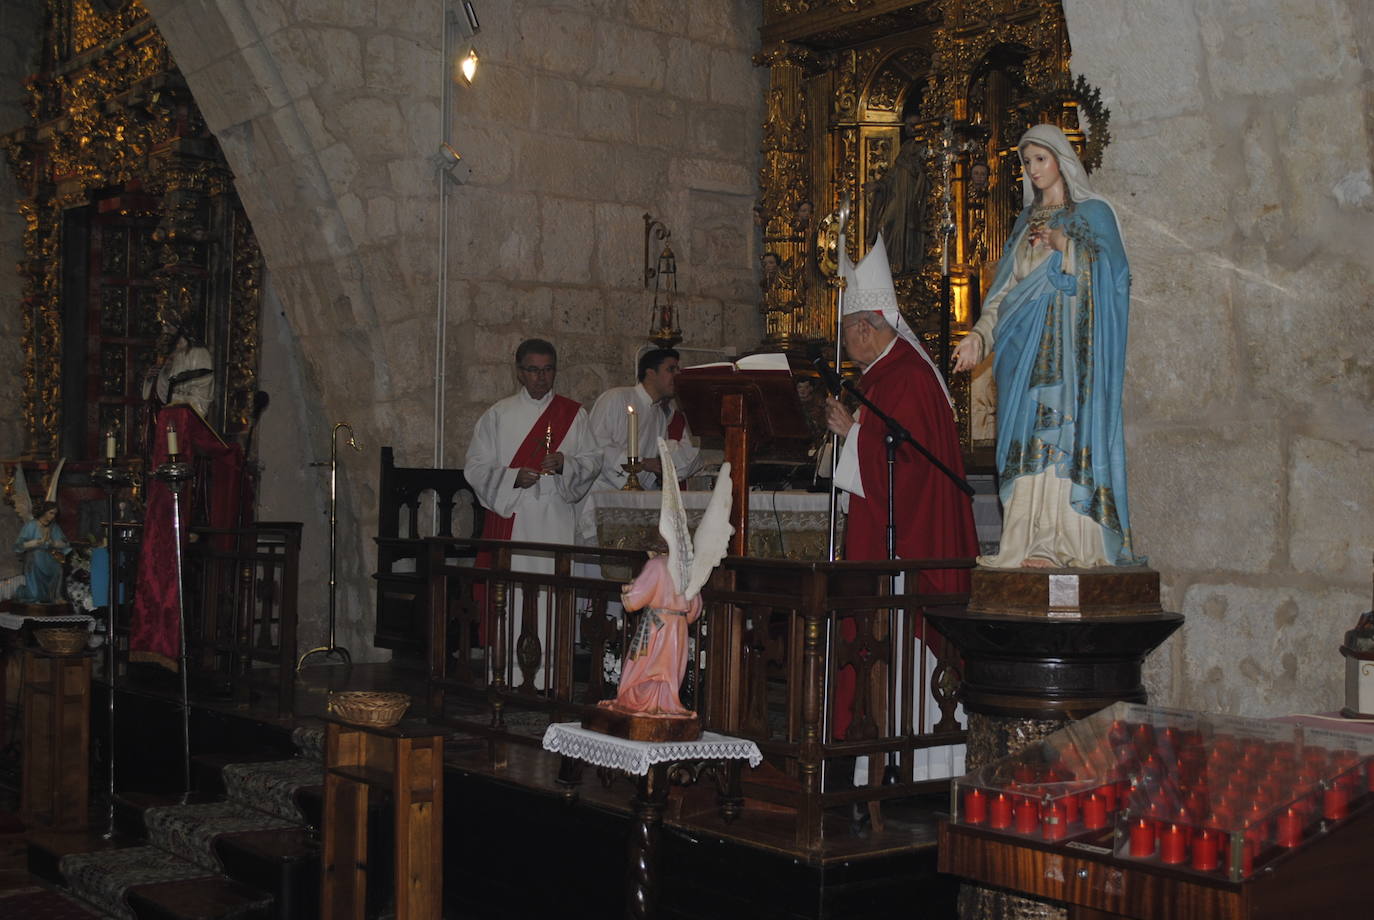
[975, 806]
[1095, 812]
[1248, 851]
[1054, 825]
[999, 812]
[1142, 839]
[1107, 794]
[1335, 802]
[1288, 829]
[1071, 808]
[1173, 845]
[1206, 850]
[1027, 816]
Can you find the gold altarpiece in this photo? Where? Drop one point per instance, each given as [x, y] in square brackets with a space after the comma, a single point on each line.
[844, 78]
[131, 222]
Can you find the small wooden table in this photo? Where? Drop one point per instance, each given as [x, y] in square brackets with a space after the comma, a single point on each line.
[655, 764]
[406, 763]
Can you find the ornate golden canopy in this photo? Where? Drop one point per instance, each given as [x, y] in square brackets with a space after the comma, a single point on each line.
[131, 220]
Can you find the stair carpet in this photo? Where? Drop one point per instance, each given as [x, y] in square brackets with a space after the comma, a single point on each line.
[250, 856]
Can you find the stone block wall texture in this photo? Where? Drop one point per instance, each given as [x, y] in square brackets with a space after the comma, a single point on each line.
[20, 22]
[585, 116]
[1243, 139]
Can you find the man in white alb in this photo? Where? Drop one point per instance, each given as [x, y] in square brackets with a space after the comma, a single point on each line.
[530, 461]
[658, 417]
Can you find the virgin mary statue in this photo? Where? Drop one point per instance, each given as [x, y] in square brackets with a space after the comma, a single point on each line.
[1055, 317]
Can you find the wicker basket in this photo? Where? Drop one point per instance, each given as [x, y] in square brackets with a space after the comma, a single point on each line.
[61, 641]
[369, 707]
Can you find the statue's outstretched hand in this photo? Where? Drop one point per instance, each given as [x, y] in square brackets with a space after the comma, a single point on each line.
[969, 353]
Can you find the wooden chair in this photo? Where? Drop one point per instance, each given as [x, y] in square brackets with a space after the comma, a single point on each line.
[402, 582]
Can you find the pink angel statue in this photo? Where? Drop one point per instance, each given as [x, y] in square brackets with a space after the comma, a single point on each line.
[668, 589]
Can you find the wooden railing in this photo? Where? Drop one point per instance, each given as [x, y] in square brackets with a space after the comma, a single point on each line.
[776, 637]
[240, 588]
[241, 614]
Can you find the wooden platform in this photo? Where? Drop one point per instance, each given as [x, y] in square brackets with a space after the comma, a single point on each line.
[515, 847]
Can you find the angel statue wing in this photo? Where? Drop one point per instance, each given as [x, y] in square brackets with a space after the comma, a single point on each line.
[672, 522]
[713, 534]
[23, 503]
[690, 560]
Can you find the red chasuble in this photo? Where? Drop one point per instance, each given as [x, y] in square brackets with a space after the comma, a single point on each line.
[554, 423]
[155, 634]
[934, 519]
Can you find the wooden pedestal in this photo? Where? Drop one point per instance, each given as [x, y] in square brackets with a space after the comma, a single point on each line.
[406, 763]
[638, 727]
[57, 739]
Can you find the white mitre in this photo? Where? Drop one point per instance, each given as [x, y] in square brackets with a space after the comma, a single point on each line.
[869, 288]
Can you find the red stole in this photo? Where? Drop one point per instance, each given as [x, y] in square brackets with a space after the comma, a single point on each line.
[677, 426]
[554, 421]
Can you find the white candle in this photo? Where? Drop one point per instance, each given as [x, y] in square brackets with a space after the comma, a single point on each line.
[109, 445]
[633, 450]
[171, 440]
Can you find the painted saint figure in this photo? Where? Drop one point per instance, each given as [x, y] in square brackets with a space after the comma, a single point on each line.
[42, 544]
[1055, 318]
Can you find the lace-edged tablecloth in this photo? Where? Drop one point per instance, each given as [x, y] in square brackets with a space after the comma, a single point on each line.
[16, 620]
[572, 740]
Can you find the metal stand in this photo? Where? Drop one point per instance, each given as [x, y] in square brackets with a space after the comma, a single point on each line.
[331, 649]
[110, 478]
[175, 473]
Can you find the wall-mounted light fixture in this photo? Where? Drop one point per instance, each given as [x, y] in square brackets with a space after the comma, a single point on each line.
[463, 19]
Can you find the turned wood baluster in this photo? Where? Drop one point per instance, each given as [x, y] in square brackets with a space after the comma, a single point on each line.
[642, 850]
[496, 643]
[813, 701]
[562, 632]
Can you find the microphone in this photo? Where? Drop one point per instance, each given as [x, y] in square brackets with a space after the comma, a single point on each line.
[832, 379]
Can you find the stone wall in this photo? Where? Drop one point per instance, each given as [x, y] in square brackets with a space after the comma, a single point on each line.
[1241, 165]
[20, 24]
[584, 116]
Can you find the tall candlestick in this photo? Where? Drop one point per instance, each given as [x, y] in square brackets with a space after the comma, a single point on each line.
[632, 449]
[172, 440]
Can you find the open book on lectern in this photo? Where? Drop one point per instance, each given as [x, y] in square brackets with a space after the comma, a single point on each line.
[764, 381]
[770, 361]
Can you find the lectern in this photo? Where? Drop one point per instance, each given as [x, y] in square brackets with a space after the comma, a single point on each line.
[750, 409]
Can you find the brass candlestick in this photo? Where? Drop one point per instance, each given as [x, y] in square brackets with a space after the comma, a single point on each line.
[176, 473]
[634, 467]
[110, 478]
[548, 448]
